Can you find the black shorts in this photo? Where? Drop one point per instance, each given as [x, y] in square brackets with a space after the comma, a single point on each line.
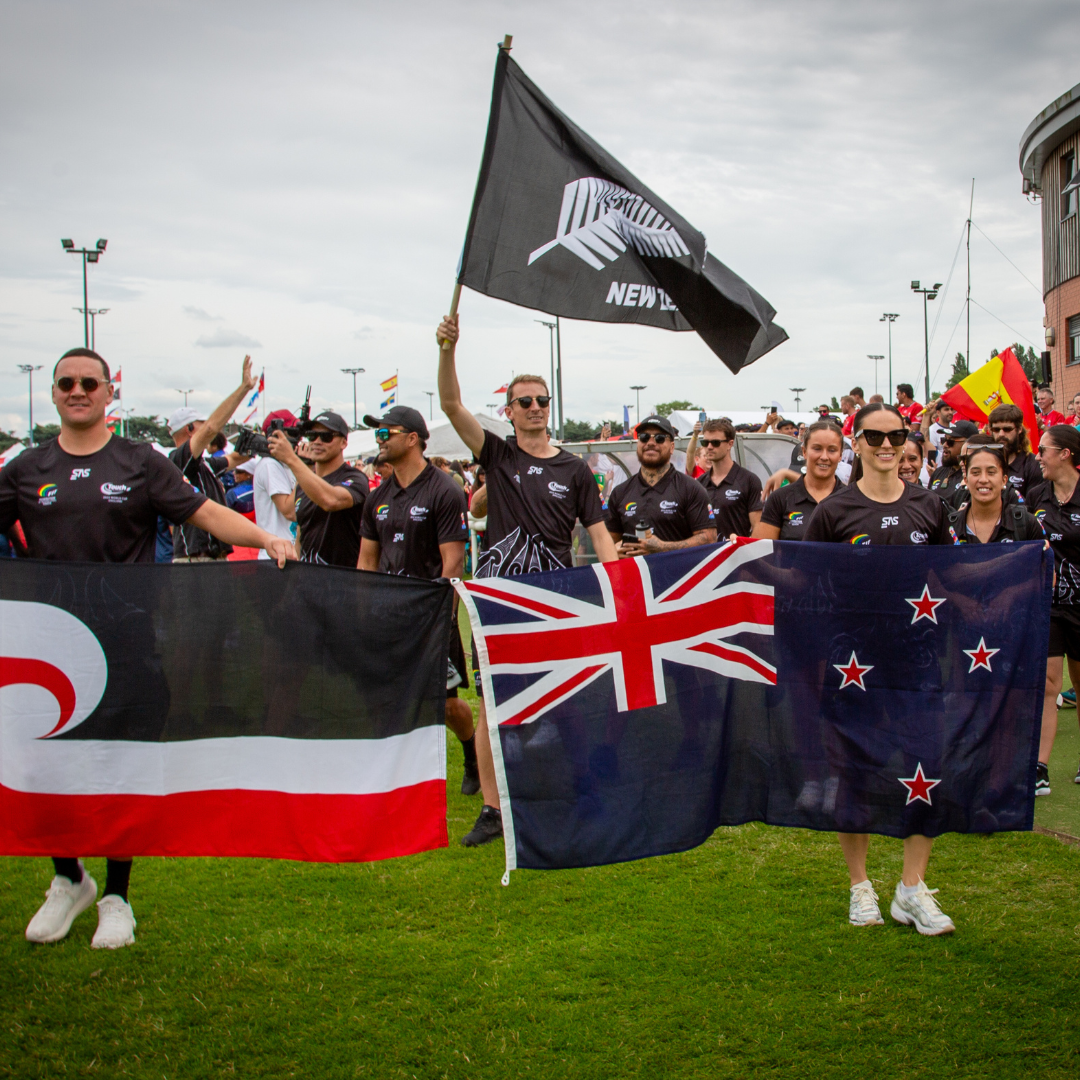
[457, 661]
[1065, 632]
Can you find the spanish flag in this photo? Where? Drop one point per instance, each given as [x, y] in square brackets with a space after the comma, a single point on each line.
[1000, 381]
[389, 384]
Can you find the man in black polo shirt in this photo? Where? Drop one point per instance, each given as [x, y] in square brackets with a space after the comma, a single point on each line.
[330, 498]
[948, 477]
[734, 492]
[658, 508]
[193, 432]
[415, 524]
[1006, 424]
[536, 494]
[91, 496]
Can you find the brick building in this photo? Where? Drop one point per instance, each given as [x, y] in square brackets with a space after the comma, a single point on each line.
[1049, 156]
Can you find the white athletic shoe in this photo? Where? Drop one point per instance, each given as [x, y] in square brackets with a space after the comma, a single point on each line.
[863, 909]
[920, 909]
[64, 903]
[116, 924]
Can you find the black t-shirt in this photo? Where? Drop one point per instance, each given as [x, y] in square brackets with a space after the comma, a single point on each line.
[945, 479]
[675, 508]
[532, 506]
[1023, 474]
[202, 474]
[849, 517]
[410, 523]
[332, 537]
[101, 507]
[1014, 524]
[733, 499]
[1061, 522]
[790, 508]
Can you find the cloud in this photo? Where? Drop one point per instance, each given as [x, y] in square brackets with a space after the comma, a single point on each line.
[223, 338]
[202, 316]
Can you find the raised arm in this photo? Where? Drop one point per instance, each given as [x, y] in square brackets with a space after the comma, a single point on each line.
[223, 413]
[324, 495]
[691, 450]
[463, 421]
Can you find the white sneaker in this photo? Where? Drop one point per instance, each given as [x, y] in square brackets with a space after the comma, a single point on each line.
[116, 924]
[863, 909]
[64, 903]
[920, 909]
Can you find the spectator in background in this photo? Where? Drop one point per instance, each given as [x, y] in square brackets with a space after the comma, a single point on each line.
[856, 392]
[936, 419]
[1074, 409]
[912, 462]
[241, 496]
[272, 489]
[1006, 423]
[848, 408]
[907, 406]
[948, 477]
[876, 399]
[785, 427]
[1048, 415]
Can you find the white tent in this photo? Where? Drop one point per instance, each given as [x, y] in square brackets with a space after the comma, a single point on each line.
[11, 453]
[684, 422]
[443, 440]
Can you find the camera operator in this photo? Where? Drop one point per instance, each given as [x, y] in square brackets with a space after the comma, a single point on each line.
[417, 527]
[272, 487]
[331, 497]
[193, 433]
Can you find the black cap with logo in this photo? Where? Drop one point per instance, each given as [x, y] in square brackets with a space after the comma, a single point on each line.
[661, 422]
[400, 416]
[333, 421]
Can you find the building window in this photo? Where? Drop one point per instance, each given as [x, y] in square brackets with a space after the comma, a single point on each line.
[1068, 171]
[1074, 340]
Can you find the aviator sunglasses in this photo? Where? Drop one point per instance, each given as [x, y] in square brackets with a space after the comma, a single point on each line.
[65, 384]
[876, 438]
[543, 400]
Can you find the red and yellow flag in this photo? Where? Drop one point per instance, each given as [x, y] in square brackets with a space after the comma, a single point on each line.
[389, 384]
[1000, 381]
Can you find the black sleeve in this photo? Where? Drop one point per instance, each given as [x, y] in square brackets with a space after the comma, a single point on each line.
[589, 508]
[773, 514]
[170, 495]
[351, 482]
[218, 465]
[820, 526]
[367, 521]
[753, 499]
[941, 534]
[699, 513]
[614, 519]
[493, 452]
[9, 496]
[451, 524]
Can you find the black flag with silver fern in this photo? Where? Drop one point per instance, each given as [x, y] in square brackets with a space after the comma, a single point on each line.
[560, 226]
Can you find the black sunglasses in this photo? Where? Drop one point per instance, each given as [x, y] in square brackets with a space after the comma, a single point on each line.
[714, 442]
[65, 384]
[322, 436]
[659, 438]
[543, 400]
[876, 438]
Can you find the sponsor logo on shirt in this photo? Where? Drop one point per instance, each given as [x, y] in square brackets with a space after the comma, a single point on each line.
[1055, 536]
[464, 523]
[535, 470]
[1075, 519]
[918, 537]
[46, 495]
[631, 509]
[1016, 481]
[861, 540]
[79, 474]
[398, 537]
[418, 513]
[115, 493]
[382, 511]
[732, 494]
[557, 490]
[795, 518]
[887, 521]
[668, 506]
[1039, 515]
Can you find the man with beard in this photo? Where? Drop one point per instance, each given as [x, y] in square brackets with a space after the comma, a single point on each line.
[1007, 426]
[948, 477]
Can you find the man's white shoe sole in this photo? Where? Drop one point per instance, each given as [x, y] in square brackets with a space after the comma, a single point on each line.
[86, 900]
[901, 916]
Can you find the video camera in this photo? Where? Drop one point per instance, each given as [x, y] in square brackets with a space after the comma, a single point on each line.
[253, 443]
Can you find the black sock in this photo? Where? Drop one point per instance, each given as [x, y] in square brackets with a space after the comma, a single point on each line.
[68, 868]
[116, 878]
[468, 747]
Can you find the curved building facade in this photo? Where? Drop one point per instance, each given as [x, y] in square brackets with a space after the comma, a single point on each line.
[1049, 159]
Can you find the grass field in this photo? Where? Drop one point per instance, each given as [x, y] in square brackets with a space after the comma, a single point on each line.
[733, 960]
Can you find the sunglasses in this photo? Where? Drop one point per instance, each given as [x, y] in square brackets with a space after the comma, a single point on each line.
[383, 434]
[714, 442]
[876, 438]
[659, 438]
[323, 436]
[543, 400]
[65, 384]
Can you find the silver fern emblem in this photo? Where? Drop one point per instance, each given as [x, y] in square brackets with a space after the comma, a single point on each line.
[599, 218]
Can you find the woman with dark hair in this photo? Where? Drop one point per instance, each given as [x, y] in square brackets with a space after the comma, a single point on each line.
[990, 513]
[788, 509]
[880, 508]
[1056, 505]
[912, 461]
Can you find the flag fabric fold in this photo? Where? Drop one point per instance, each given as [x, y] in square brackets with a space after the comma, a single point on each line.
[559, 225]
[634, 707]
[1000, 381]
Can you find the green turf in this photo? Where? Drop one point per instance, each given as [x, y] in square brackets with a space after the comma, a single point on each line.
[1060, 810]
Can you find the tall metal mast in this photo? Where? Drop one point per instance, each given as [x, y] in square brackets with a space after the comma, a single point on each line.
[967, 354]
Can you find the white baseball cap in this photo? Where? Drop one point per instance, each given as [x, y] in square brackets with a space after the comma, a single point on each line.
[248, 466]
[183, 416]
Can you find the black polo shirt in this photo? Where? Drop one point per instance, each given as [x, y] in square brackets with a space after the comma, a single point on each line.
[332, 537]
[945, 479]
[850, 517]
[733, 499]
[409, 523]
[790, 508]
[1010, 528]
[1023, 474]
[1061, 523]
[674, 508]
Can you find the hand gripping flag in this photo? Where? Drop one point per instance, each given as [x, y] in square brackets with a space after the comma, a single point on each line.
[1000, 381]
[560, 226]
[636, 706]
[148, 711]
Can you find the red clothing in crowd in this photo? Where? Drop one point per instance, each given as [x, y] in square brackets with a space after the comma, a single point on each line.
[913, 411]
[1054, 417]
[849, 425]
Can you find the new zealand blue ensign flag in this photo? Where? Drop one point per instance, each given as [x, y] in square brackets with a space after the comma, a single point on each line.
[639, 705]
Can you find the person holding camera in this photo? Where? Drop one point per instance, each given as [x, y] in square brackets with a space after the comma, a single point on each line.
[329, 498]
[193, 433]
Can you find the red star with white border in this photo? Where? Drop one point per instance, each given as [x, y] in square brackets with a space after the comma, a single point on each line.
[980, 656]
[925, 606]
[918, 786]
[853, 672]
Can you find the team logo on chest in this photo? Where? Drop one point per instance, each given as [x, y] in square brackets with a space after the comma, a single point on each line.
[382, 511]
[46, 495]
[418, 513]
[79, 474]
[557, 489]
[115, 493]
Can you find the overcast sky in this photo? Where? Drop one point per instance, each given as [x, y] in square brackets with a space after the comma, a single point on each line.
[294, 181]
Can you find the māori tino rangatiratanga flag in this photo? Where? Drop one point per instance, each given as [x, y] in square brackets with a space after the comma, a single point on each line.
[231, 709]
[559, 225]
[636, 706]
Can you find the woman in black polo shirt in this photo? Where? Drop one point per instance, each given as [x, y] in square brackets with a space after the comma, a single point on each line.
[788, 509]
[989, 512]
[1056, 505]
[912, 515]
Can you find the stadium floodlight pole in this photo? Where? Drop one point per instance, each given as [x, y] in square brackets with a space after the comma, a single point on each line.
[430, 404]
[890, 317]
[558, 373]
[797, 390]
[637, 394]
[928, 293]
[875, 357]
[185, 393]
[490, 407]
[92, 312]
[88, 255]
[28, 370]
[551, 333]
[354, 371]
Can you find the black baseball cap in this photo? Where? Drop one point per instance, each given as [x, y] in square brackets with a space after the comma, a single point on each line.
[333, 421]
[962, 429]
[662, 422]
[400, 416]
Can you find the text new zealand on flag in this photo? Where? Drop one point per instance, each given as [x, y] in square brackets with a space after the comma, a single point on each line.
[560, 226]
[638, 705]
[232, 710]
